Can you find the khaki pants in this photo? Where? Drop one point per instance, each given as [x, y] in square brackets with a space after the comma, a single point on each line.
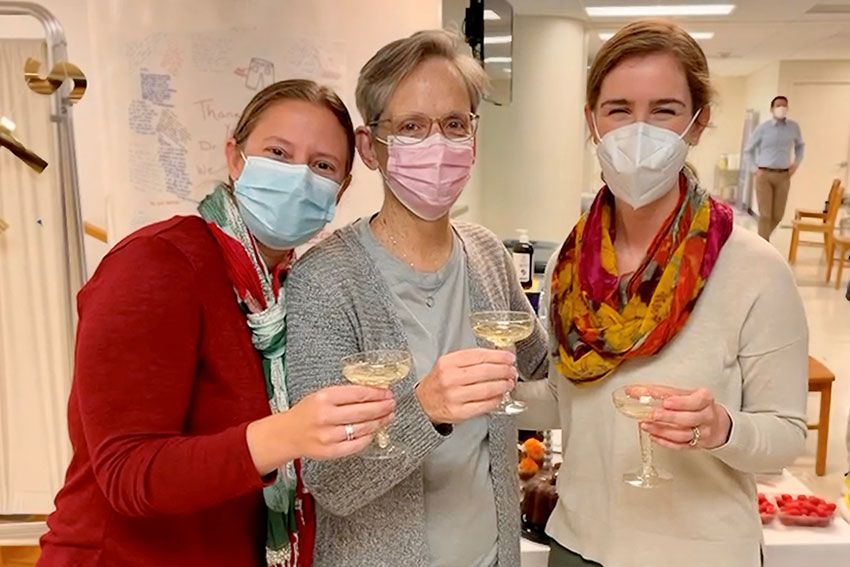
[772, 194]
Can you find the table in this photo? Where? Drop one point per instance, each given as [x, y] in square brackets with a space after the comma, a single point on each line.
[533, 554]
[788, 546]
[784, 546]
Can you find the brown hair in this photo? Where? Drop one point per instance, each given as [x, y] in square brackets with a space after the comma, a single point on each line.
[380, 76]
[646, 37]
[296, 89]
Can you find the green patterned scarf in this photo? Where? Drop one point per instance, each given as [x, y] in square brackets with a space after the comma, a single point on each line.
[262, 299]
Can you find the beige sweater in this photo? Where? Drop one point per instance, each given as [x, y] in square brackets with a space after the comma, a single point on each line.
[747, 341]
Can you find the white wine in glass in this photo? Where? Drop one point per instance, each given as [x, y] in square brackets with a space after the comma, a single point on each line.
[638, 401]
[378, 369]
[504, 329]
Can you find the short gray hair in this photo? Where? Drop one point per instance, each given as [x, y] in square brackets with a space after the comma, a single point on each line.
[380, 76]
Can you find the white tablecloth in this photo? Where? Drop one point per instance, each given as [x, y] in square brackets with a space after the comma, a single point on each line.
[533, 554]
[784, 546]
[788, 546]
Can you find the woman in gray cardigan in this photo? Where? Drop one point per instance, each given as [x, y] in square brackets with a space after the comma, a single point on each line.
[408, 278]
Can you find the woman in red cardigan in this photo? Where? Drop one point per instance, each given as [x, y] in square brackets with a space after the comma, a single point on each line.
[185, 446]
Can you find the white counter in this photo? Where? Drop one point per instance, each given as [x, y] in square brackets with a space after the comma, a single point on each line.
[784, 546]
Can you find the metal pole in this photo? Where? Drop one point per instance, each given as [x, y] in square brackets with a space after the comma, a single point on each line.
[61, 115]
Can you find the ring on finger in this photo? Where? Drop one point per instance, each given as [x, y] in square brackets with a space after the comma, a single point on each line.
[349, 432]
[695, 439]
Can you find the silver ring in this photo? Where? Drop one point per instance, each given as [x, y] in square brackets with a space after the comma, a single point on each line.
[349, 432]
[695, 439]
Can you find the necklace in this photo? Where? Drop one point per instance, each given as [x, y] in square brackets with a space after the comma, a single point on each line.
[399, 250]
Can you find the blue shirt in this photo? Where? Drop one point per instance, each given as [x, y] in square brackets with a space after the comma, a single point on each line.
[771, 143]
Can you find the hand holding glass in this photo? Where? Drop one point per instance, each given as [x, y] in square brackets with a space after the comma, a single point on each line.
[638, 402]
[378, 369]
[504, 329]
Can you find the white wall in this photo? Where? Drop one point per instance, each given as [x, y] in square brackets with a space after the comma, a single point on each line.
[761, 87]
[819, 98]
[532, 151]
[724, 133]
[792, 72]
[362, 30]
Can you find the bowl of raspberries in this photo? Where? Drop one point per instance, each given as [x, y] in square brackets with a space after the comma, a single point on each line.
[803, 510]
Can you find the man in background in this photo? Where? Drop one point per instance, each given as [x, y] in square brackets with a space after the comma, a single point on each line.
[769, 149]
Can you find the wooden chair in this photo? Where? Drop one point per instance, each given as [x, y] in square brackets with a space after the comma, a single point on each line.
[820, 381]
[841, 249]
[822, 222]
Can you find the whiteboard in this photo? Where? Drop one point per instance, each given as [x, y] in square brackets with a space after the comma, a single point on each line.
[187, 98]
[177, 78]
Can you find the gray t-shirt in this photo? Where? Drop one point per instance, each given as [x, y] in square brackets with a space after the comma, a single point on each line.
[434, 308]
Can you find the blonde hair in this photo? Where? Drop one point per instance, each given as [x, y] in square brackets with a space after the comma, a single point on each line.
[646, 37]
[296, 89]
[381, 75]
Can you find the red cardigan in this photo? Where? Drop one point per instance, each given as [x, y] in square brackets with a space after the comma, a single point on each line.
[165, 383]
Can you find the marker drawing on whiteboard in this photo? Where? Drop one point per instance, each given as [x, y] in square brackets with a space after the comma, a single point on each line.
[173, 59]
[139, 53]
[173, 162]
[205, 170]
[171, 127]
[156, 88]
[142, 116]
[323, 62]
[260, 74]
[210, 111]
[212, 51]
[304, 56]
[143, 174]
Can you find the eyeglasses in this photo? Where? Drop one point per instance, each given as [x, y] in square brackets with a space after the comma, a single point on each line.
[413, 128]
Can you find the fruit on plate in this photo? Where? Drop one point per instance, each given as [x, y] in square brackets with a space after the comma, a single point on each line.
[805, 510]
[767, 510]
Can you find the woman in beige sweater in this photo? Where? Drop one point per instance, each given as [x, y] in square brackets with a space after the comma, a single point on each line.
[656, 286]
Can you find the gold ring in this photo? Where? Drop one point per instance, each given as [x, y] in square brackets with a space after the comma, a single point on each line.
[695, 439]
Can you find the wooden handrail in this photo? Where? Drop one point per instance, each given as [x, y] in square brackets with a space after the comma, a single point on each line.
[95, 231]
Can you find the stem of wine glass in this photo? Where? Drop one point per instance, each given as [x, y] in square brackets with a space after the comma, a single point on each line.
[647, 467]
[382, 438]
[507, 399]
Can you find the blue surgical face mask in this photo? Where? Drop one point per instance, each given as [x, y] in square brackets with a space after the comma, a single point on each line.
[284, 205]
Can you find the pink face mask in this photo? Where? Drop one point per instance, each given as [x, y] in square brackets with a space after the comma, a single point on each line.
[428, 177]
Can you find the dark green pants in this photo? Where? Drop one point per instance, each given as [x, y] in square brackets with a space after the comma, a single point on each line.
[560, 556]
